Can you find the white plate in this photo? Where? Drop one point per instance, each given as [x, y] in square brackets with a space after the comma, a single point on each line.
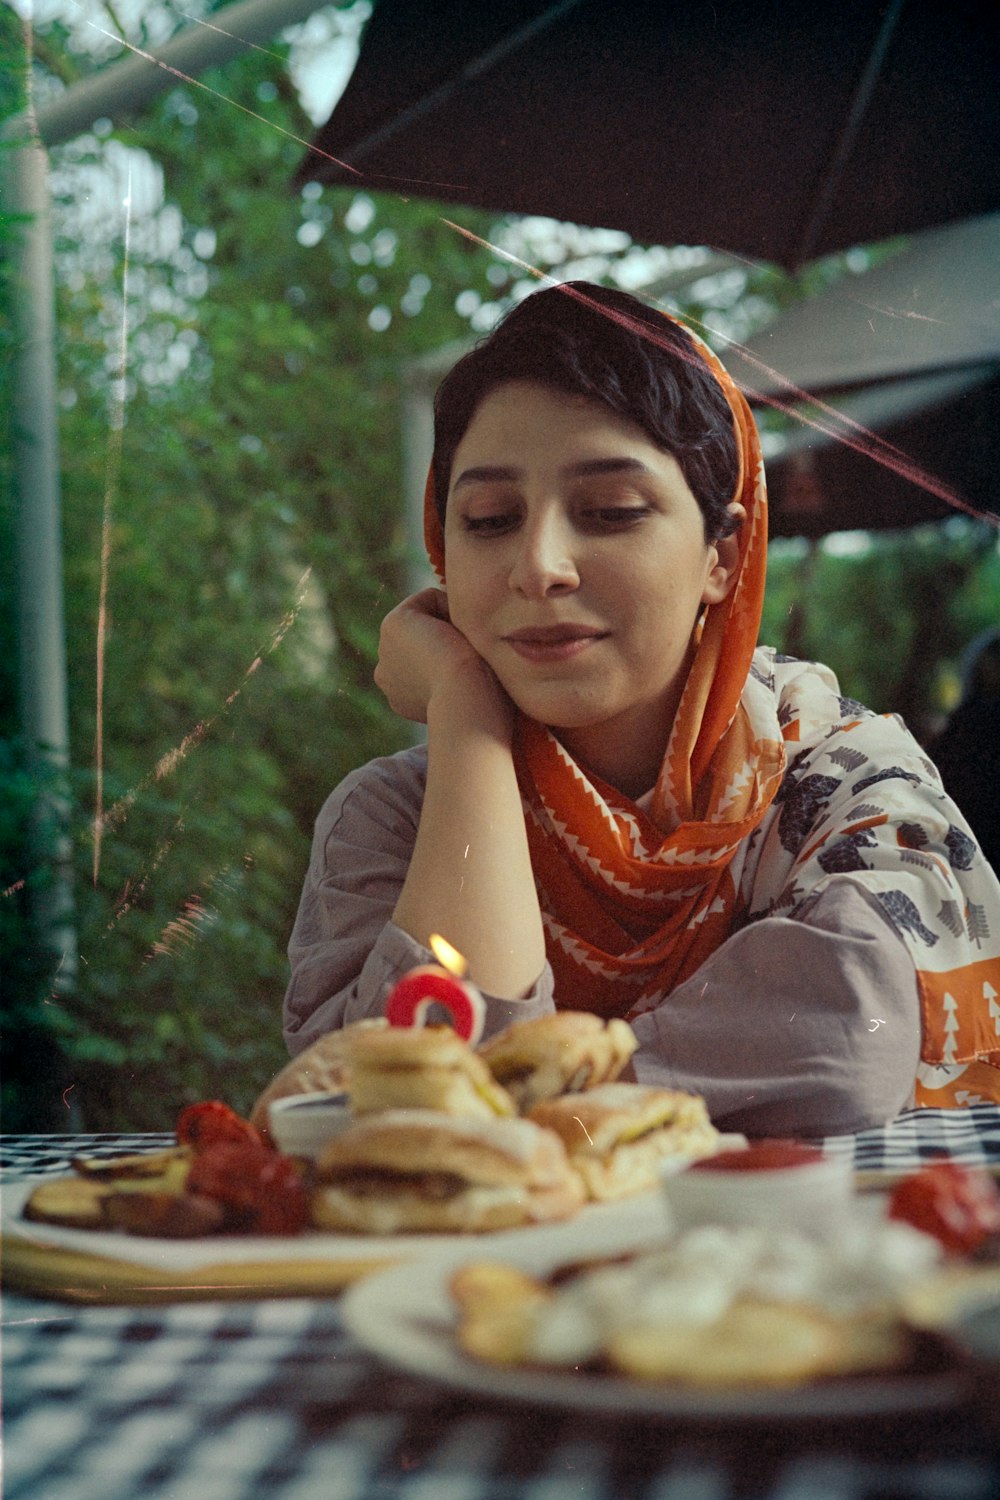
[405, 1316]
[598, 1229]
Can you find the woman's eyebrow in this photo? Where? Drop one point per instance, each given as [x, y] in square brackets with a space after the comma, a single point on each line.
[487, 474]
[605, 466]
[504, 473]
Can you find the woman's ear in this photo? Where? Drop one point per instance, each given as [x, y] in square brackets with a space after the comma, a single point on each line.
[722, 573]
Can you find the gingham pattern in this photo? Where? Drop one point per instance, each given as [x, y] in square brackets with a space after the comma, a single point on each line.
[272, 1400]
[970, 1135]
[24, 1156]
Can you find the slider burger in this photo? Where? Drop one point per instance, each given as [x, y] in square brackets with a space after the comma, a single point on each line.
[419, 1067]
[562, 1053]
[418, 1171]
[618, 1135]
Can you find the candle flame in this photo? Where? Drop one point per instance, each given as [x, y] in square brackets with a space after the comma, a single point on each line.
[448, 957]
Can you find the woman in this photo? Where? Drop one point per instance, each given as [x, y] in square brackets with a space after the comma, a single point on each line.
[623, 806]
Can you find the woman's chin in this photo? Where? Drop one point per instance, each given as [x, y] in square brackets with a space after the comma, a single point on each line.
[557, 716]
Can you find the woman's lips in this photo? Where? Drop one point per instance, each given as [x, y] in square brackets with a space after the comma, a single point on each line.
[553, 642]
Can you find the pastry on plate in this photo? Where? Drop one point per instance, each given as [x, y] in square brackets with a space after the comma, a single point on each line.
[562, 1053]
[418, 1170]
[618, 1135]
[713, 1309]
[419, 1067]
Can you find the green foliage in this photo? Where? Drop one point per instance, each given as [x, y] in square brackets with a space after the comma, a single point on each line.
[230, 485]
[890, 615]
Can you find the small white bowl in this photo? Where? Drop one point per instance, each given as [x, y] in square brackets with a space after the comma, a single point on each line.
[813, 1194]
[302, 1124]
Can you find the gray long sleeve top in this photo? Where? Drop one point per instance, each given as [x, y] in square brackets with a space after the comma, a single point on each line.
[806, 1025]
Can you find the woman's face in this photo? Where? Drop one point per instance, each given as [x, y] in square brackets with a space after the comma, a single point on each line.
[577, 566]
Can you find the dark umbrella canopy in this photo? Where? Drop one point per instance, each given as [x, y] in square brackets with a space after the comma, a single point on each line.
[905, 359]
[780, 132]
[944, 433]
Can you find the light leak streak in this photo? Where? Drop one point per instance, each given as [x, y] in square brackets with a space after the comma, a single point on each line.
[830, 422]
[196, 83]
[827, 419]
[898, 312]
[45, 1318]
[133, 891]
[221, 31]
[169, 761]
[196, 916]
[112, 477]
[184, 930]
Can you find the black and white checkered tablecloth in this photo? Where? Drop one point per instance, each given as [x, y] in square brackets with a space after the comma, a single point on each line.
[969, 1135]
[273, 1400]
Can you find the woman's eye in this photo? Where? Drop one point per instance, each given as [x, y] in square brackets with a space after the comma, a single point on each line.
[614, 517]
[492, 525]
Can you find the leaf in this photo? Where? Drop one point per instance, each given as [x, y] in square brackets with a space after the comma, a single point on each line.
[977, 923]
[951, 917]
[847, 758]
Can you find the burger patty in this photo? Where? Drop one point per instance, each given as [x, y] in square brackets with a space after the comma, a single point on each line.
[377, 1182]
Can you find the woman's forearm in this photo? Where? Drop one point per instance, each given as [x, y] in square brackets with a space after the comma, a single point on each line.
[470, 876]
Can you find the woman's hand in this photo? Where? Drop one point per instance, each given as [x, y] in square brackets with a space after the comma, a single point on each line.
[470, 872]
[421, 654]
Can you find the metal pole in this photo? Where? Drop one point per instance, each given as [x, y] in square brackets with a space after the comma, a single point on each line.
[40, 623]
[120, 90]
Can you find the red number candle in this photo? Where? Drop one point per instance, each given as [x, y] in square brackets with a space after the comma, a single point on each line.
[438, 984]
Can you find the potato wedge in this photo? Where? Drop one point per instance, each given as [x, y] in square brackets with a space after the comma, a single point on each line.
[79, 1202]
[171, 1163]
[73, 1202]
[498, 1307]
[172, 1216]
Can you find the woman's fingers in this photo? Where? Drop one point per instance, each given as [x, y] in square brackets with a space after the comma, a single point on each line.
[418, 649]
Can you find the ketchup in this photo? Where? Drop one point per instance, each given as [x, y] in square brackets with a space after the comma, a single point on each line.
[762, 1156]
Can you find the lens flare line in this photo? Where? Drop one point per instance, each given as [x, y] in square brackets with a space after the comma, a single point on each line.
[114, 816]
[827, 419]
[183, 77]
[112, 478]
[221, 31]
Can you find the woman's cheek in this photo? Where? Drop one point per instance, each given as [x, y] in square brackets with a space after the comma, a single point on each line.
[463, 617]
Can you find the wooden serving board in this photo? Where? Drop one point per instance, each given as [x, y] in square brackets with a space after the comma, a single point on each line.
[38, 1270]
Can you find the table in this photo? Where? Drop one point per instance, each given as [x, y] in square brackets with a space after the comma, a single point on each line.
[272, 1399]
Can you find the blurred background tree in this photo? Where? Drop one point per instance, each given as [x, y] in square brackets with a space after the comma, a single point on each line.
[230, 366]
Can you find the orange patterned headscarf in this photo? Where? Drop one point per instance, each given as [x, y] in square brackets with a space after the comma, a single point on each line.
[635, 899]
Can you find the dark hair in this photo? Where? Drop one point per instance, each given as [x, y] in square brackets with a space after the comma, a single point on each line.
[593, 341]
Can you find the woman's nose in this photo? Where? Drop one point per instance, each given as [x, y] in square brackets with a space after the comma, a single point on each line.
[545, 562]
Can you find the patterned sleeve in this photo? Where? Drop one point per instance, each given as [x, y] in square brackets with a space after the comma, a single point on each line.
[862, 804]
[806, 1027]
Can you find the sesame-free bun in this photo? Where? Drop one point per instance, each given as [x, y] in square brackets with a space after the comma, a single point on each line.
[566, 1052]
[618, 1135]
[415, 1170]
[419, 1067]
